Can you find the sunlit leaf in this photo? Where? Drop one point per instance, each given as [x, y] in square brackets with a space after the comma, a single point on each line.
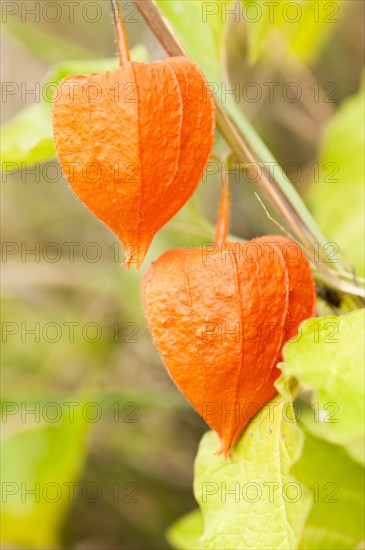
[337, 196]
[185, 533]
[244, 501]
[200, 26]
[46, 459]
[28, 137]
[328, 358]
[336, 520]
[289, 27]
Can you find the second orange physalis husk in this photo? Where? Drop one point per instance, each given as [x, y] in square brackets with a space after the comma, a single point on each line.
[220, 317]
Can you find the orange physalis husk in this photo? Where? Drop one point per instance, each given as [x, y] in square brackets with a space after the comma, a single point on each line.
[134, 143]
[220, 317]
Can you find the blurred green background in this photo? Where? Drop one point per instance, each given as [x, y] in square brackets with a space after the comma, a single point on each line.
[128, 448]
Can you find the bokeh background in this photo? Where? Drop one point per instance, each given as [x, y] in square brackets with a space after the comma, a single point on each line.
[130, 444]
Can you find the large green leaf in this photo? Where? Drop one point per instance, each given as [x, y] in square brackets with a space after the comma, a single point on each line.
[302, 27]
[200, 27]
[28, 137]
[185, 533]
[251, 501]
[328, 358]
[45, 458]
[337, 197]
[336, 520]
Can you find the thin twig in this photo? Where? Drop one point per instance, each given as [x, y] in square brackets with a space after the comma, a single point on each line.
[122, 40]
[331, 277]
[275, 222]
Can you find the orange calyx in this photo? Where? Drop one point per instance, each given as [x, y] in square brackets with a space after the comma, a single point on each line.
[134, 143]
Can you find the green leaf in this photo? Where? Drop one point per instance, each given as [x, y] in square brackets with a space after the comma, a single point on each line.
[274, 28]
[46, 459]
[185, 533]
[28, 137]
[328, 358]
[337, 197]
[336, 520]
[251, 501]
[200, 27]
[67, 68]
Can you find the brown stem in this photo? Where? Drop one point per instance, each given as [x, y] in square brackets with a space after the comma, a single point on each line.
[266, 184]
[159, 27]
[241, 147]
[122, 40]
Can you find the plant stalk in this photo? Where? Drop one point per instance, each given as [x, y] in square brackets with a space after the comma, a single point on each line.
[249, 149]
[222, 227]
[122, 40]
